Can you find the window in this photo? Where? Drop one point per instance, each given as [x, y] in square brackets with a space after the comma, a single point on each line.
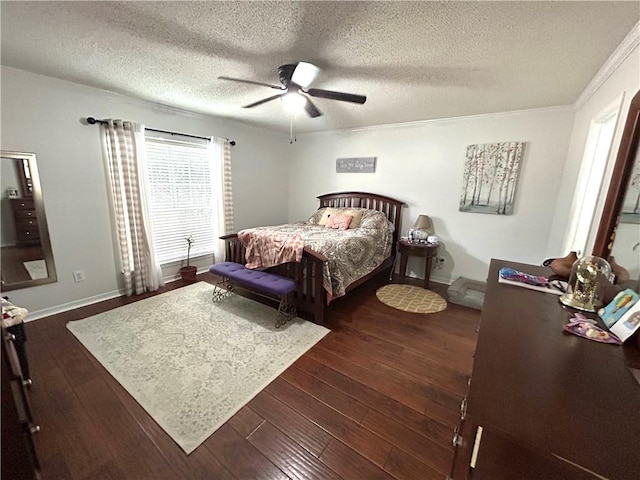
[181, 189]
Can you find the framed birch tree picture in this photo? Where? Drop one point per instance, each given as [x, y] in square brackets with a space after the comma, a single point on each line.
[490, 178]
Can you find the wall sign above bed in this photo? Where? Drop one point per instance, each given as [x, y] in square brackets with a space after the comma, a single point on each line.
[356, 165]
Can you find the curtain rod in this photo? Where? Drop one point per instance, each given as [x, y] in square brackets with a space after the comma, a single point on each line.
[93, 121]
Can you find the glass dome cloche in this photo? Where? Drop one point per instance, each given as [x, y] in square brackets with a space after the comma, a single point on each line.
[589, 276]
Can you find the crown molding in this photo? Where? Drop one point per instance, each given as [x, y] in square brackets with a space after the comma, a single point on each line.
[130, 99]
[437, 121]
[619, 55]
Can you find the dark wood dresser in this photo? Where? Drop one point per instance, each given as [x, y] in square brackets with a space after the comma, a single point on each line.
[19, 459]
[26, 221]
[543, 404]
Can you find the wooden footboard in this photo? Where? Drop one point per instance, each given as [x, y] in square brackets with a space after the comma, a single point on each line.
[310, 296]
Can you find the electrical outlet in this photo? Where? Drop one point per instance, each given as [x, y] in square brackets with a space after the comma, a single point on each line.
[78, 276]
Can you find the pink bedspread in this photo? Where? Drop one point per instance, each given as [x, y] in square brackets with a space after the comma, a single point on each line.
[266, 248]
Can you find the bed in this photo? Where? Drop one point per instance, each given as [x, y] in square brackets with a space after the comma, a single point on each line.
[313, 292]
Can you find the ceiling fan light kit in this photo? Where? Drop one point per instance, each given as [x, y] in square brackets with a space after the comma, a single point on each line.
[303, 74]
[293, 102]
[295, 79]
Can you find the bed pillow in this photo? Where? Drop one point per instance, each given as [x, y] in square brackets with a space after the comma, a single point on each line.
[317, 215]
[356, 213]
[339, 221]
[357, 217]
[373, 219]
[326, 214]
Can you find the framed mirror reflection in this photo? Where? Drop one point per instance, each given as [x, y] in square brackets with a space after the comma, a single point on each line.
[26, 254]
[619, 232]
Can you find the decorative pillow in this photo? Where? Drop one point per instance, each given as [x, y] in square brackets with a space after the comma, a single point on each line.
[339, 221]
[325, 216]
[357, 217]
[317, 215]
[372, 219]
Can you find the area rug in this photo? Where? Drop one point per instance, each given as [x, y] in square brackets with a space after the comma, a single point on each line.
[409, 298]
[191, 363]
[37, 269]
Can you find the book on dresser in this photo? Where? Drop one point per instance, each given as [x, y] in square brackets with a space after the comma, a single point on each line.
[510, 276]
[619, 306]
[628, 324]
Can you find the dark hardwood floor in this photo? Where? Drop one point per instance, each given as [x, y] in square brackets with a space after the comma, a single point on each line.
[377, 398]
[13, 259]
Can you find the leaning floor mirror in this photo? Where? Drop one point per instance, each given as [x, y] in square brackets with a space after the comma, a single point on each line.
[26, 255]
[619, 230]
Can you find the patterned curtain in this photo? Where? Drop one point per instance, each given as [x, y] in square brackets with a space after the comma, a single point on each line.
[123, 151]
[227, 192]
[225, 222]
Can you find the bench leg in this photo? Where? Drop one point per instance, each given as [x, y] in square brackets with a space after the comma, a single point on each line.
[220, 293]
[286, 308]
[286, 311]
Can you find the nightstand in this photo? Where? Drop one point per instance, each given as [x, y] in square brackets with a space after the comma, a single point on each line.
[426, 250]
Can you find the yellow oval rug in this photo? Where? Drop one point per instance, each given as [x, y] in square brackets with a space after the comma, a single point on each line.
[409, 298]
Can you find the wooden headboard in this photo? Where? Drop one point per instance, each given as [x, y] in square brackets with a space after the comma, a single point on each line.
[391, 207]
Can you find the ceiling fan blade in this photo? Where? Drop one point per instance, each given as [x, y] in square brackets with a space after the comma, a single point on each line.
[311, 109]
[341, 96]
[251, 82]
[264, 100]
[304, 74]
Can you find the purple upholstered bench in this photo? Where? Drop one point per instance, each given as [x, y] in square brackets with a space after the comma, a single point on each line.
[257, 281]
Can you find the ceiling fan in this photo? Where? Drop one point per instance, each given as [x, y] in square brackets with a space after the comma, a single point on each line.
[295, 79]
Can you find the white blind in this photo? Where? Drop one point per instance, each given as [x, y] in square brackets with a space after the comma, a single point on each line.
[180, 184]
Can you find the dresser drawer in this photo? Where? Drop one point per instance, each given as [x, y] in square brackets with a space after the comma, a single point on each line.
[19, 214]
[22, 204]
[29, 234]
[26, 222]
[23, 208]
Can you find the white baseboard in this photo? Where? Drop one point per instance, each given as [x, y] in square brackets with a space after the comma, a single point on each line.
[45, 312]
[83, 302]
[65, 307]
[442, 280]
[433, 278]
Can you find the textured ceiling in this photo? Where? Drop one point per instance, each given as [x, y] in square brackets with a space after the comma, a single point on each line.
[413, 60]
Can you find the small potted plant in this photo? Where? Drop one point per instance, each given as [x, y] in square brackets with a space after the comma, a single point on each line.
[188, 272]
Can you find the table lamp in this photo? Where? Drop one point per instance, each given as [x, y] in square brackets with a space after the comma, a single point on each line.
[421, 229]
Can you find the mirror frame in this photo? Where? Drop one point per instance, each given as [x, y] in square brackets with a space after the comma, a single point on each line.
[38, 203]
[619, 179]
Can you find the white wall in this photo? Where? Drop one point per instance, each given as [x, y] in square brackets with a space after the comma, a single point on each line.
[622, 82]
[42, 115]
[422, 163]
[8, 179]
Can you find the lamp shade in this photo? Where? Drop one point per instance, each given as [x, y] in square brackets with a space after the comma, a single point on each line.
[423, 223]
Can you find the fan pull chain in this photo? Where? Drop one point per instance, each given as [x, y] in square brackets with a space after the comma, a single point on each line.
[292, 132]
